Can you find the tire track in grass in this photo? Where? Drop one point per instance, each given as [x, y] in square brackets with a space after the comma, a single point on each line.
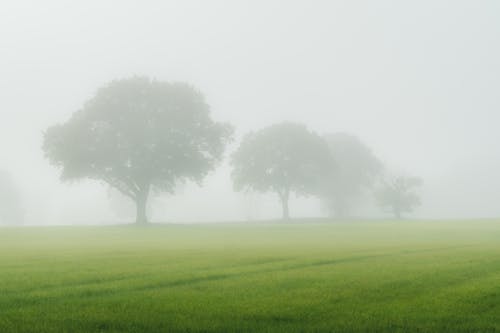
[110, 291]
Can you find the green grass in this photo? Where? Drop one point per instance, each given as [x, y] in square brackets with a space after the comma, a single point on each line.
[302, 277]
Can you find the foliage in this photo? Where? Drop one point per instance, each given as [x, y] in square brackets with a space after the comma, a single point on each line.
[139, 134]
[281, 158]
[399, 194]
[356, 170]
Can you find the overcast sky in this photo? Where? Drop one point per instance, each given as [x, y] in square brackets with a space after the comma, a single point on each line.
[418, 81]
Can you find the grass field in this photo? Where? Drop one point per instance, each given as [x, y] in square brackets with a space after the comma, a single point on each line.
[416, 276]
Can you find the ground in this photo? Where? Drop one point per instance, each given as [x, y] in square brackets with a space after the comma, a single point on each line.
[306, 276]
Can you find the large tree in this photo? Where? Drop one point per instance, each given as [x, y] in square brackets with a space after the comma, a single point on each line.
[399, 195]
[283, 158]
[139, 135]
[356, 170]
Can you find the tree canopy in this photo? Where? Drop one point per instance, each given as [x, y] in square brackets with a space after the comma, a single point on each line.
[281, 158]
[356, 171]
[139, 135]
[399, 194]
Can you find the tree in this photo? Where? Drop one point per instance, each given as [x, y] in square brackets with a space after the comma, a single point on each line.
[139, 135]
[399, 194]
[11, 210]
[281, 158]
[356, 170]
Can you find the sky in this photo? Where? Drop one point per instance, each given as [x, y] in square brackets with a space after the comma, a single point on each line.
[417, 81]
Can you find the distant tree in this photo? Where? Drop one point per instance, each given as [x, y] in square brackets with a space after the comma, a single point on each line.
[11, 211]
[356, 170]
[139, 135]
[399, 194]
[281, 158]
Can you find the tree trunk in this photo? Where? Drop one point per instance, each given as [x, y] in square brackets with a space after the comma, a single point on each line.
[284, 204]
[340, 210]
[141, 212]
[286, 211]
[397, 213]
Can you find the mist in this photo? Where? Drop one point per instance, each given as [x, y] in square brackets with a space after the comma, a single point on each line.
[416, 82]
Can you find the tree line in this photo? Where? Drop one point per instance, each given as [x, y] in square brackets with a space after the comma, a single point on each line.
[141, 136]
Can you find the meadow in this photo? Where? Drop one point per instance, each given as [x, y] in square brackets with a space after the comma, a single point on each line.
[305, 276]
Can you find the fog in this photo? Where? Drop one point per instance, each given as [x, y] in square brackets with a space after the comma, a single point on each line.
[418, 82]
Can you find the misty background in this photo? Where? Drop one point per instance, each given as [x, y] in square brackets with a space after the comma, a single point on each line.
[418, 82]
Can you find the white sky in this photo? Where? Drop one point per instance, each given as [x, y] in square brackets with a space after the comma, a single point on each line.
[419, 81]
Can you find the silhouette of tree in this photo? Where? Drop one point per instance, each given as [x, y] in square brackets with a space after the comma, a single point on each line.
[356, 170]
[281, 158]
[399, 194]
[139, 135]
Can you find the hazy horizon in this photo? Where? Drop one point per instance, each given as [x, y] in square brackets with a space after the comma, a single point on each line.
[417, 82]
